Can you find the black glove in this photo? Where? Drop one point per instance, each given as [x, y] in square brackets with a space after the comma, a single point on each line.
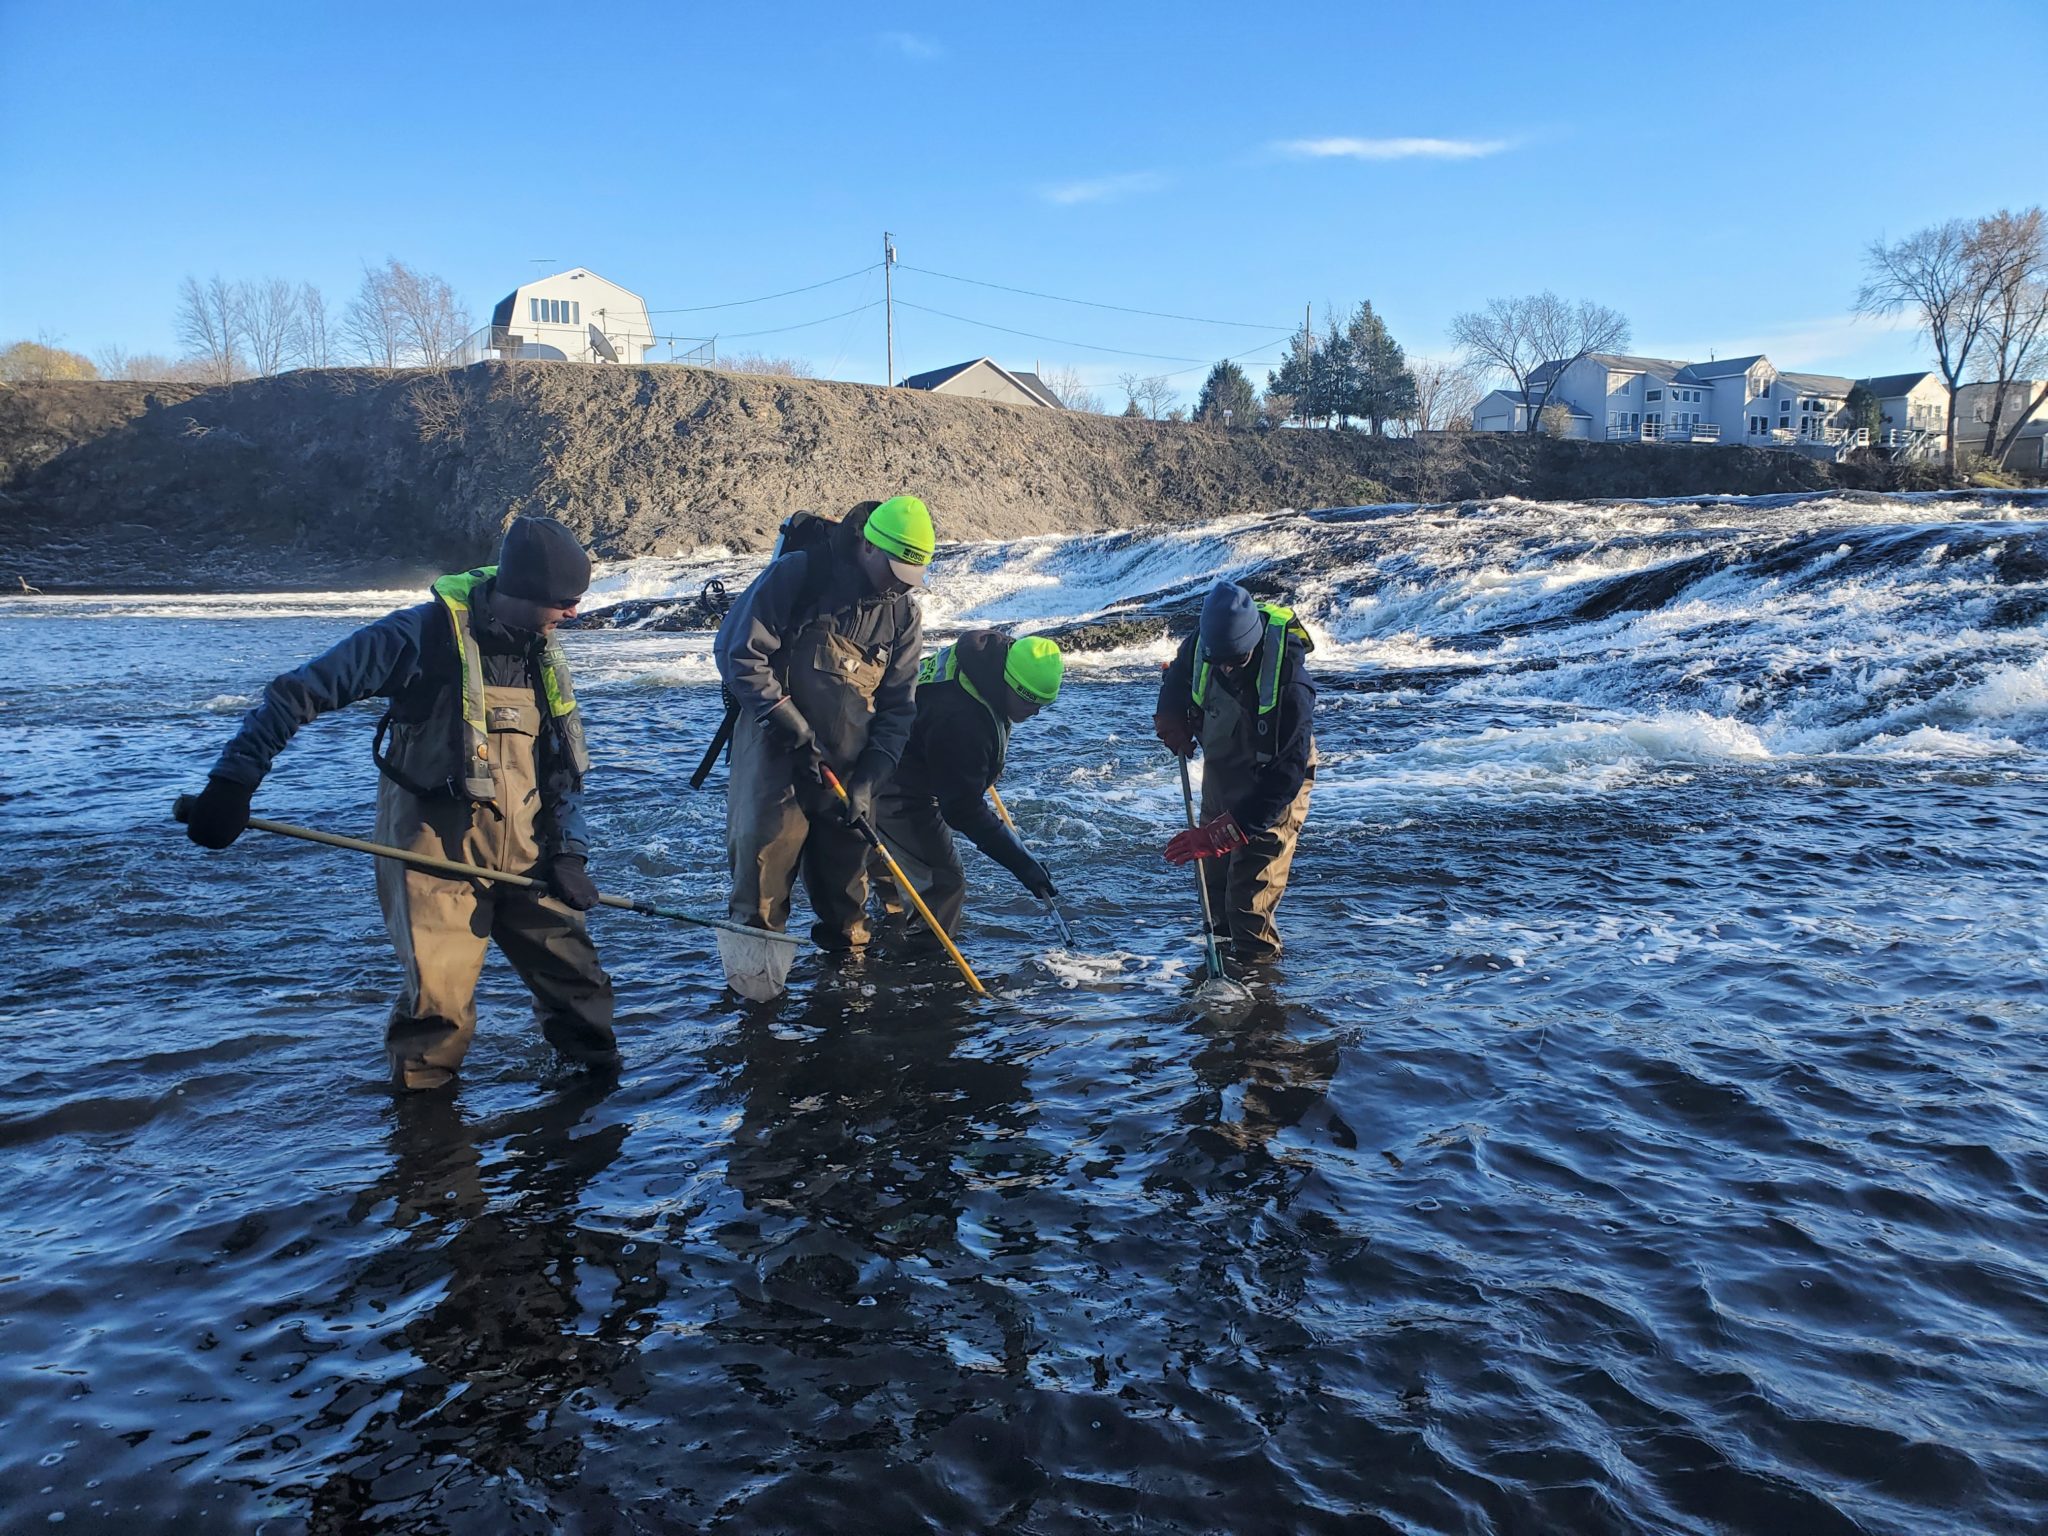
[1000, 844]
[1176, 732]
[788, 729]
[220, 812]
[569, 882]
[868, 776]
[1038, 882]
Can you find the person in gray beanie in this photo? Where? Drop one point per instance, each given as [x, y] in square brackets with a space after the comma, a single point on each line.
[1238, 691]
[480, 757]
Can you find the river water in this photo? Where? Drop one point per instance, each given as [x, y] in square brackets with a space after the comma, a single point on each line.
[1645, 1131]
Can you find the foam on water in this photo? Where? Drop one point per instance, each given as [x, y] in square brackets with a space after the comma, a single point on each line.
[1640, 1131]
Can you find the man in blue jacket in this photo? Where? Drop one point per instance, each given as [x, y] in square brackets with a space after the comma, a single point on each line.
[1239, 689]
[481, 759]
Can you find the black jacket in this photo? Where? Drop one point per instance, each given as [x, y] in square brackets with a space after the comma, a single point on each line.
[794, 590]
[408, 657]
[957, 749]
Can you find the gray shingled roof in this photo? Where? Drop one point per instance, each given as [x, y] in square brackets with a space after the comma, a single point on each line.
[1721, 368]
[1664, 368]
[937, 376]
[1037, 386]
[1888, 386]
[1817, 383]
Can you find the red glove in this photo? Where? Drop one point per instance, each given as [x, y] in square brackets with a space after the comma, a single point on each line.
[1216, 838]
[1176, 732]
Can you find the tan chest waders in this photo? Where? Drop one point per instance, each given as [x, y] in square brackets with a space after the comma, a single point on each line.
[440, 926]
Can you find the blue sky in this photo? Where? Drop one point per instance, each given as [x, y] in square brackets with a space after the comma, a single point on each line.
[1713, 171]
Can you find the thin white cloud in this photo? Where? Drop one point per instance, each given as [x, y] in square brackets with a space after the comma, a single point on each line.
[1822, 344]
[1392, 149]
[1102, 189]
[911, 45]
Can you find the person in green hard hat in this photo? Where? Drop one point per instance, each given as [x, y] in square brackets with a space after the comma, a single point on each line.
[968, 698]
[820, 656]
[480, 758]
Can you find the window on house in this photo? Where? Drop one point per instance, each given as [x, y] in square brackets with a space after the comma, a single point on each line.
[575, 312]
[1784, 405]
[1784, 421]
[1655, 394]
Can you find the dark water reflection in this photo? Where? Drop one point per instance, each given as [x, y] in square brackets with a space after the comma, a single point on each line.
[1662, 1152]
[529, 1309]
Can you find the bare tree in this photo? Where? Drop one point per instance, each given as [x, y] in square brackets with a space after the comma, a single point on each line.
[774, 367]
[311, 345]
[1445, 393]
[209, 325]
[432, 322]
[265, 311]
[1935, 273]
[372, 324]
[1517, 337]
[1153, 396]
[117, 362]
[1067, 387]
[2010, 252]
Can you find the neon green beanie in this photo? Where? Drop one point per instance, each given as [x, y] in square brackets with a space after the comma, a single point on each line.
[902, 529]
[1034, 668]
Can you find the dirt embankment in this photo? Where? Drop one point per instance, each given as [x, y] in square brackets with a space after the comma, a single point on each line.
[345, 475]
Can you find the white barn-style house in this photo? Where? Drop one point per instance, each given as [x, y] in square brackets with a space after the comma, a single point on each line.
[1728, 400]
[574, 316]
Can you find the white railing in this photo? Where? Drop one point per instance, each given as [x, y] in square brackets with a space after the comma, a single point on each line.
[1658, 432]
[501, 341]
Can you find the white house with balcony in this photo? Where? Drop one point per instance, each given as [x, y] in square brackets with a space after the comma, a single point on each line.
[574, 316]
[1726, 400]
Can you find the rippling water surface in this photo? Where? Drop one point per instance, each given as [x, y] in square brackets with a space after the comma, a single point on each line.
[1645, 1131]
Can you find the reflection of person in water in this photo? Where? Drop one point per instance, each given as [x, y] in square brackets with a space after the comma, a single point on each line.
[856, 1141]
[1285, 1078]
[507, 1341]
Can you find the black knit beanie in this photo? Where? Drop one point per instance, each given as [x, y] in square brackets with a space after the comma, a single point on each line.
[541, 562]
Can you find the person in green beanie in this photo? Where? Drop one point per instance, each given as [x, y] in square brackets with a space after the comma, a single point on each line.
[968, 697]
[820, 656]
[480, 758]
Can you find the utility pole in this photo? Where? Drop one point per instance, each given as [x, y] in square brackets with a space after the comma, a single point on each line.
[889, 302]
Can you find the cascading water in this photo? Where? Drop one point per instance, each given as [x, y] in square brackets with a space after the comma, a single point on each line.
[1643, 1132]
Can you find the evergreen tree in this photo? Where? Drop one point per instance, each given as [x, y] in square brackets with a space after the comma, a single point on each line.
[1227, 398]
[1380, 387]
[1293, 380]
[1334, 377]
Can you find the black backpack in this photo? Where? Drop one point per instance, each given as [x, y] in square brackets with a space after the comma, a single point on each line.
[807, 532]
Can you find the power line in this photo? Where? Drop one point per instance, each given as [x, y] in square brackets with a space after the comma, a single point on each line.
[1157, 314]
[1086, 346]
[802, 326]
[693, 309]
[1240, 357]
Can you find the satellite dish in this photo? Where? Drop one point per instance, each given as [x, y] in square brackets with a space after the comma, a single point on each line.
[601, 344]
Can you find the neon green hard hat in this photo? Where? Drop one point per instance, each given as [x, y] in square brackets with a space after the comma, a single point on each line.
[1034, 668]
[901, 528]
